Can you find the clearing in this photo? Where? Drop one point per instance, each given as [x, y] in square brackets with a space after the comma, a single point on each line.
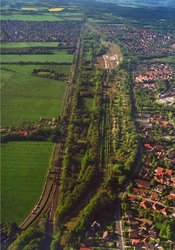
[110, 60]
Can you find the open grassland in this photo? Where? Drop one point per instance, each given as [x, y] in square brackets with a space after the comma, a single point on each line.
[58, 56]
[26, 97]
[24, 168]
[29, 44]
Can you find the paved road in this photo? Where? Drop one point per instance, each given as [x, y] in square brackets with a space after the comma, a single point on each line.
[118, 223]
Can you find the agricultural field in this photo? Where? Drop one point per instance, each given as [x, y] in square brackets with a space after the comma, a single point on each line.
[49, 17]
[25, 17]
[26, 97]
[58, 56]
[29, 44]
[24, 168]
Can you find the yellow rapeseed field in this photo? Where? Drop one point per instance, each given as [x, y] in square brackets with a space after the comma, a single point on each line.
[56, 9]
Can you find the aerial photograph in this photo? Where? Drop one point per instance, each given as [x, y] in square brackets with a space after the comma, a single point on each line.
[87, 124]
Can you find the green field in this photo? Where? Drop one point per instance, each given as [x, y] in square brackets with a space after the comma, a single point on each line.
[23, 171]
[58, 56]
[28, 44]
[170, 59]
[44, 17]
[26, 97]
[51, 17]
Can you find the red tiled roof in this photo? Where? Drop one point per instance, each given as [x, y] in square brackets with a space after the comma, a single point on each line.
[169, 171]
[136, 242]
[165, 123]
[23, 132]
[159, 171]
[143, 183]
[148, 146]
[85, 248]
[158, 147]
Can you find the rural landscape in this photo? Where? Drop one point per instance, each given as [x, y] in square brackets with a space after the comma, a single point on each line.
[87, 125]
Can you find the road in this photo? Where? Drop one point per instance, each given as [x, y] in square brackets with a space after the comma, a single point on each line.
[118, 223]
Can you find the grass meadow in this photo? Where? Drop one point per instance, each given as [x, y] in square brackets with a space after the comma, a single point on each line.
[23, 170]
[58, 56]
[26, 97]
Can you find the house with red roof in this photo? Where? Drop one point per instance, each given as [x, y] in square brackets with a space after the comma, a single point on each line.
[136, 242]
[159, 171]
[142, 183]
[148, 146]
[154, 196]
[132, 198]
[164, 176]
[164, 123]
[23, 132]
[169, 171]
